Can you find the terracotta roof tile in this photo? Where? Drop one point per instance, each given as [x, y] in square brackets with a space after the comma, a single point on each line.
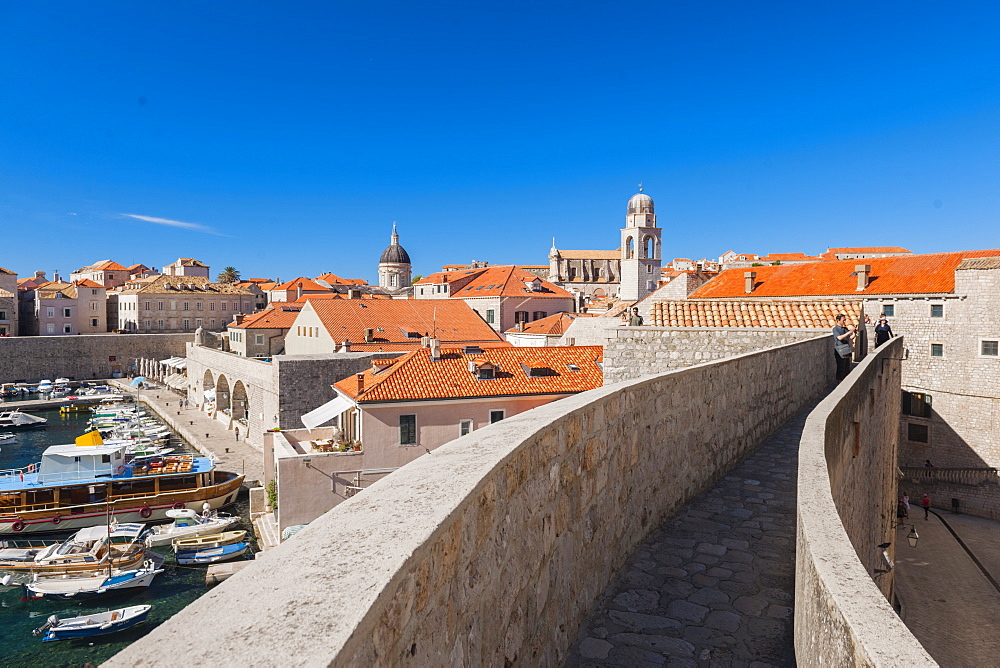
[305, 283]
[814, 314]
[451, 320]
[590, 254]
[333, 279]
[870, 249]
[980, 263]
[6, 271]
[552, 325]
[279, 315]
[901, 274]
[108, 265]
[507, 281]
[87, 283]
[414, 377]
[158, 285]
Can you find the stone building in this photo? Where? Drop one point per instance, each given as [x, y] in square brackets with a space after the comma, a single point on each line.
[394, 268]
[108, 273]
[640, 250]
[262, 334]
[8, 303]
[180, 303]
[186, 266]
[69, 308]
[945, 307]
[504, 295]
[595, 273]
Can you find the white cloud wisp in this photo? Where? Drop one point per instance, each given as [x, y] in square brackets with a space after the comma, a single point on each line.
[174, 223]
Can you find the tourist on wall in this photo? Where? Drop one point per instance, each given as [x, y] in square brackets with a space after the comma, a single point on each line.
[843, 338]
[926, 503]
[883, 332]
[636, 319]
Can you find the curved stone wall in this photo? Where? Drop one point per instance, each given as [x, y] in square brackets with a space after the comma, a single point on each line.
[493, 548]
[847, 470]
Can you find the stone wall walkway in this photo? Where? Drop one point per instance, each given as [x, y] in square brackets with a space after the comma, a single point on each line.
[714, 586]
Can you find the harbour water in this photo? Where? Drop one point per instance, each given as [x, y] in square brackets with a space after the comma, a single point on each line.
[172, 590]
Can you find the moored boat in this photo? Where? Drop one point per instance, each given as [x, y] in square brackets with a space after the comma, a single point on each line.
[209, 541]
[7, 437]
[75, 486]
[97, 624]
[19, 420]
[66, 587]
[188, 524]
[87, 550]
[212, 555]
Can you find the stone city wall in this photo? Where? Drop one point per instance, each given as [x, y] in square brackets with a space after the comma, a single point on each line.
[847, 472]
[977, 490]
[633, 352]
[82, 357]
[493, 548]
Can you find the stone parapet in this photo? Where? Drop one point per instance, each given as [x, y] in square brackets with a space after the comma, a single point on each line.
[493, 548]
[846, 510]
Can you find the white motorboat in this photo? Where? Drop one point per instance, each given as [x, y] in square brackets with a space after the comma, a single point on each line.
[19, 420]
[7, 437]
[188, 524]
[97, 624]
[66, 587]
[212, 555]
[85, 551]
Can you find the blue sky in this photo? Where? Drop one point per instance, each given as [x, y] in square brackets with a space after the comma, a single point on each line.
[284, 140]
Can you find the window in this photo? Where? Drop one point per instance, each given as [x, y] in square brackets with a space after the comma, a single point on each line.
[159, 306]
[3, 315]
[496, 416]
[187, 324]
[147, 324]
[67, 313]
[989, 348]
[211, 306]
[538, 315]
[888, 310]
[260, 339]
[464, 427]
[93, 306]
[94, 322]
[147, 305]
[916, 432]
[407, 429]
[187, 306]
[225, 305]
[106, 459]
[213, 323]
[490, 315]
[159, 324]
[50, 328]
[485, 373]
[198, 306]
[50, 312]
[937, 310]
[916, 404]
[937, 350]
[520, 316]
[67, 329]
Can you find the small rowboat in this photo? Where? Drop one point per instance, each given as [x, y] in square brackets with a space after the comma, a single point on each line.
[205, 542]
[97, 624]
[212, 555]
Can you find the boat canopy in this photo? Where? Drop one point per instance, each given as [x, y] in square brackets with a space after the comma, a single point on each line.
[326, 412]
[69, 462]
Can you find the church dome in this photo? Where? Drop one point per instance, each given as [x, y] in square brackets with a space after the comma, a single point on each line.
[640, 203]
[394, 254]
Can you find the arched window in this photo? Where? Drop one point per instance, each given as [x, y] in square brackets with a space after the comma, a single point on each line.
[649, 248]
[629, 249]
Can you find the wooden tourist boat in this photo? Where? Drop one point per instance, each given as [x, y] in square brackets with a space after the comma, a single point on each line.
[87, 550]
[210, 541]
[76, 486]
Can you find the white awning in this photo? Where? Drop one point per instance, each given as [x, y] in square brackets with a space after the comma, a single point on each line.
[326, 412]
[210, 394]
[171, 361]
[181, 365]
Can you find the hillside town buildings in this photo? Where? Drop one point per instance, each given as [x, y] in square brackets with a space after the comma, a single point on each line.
[180, 303]
[8, 303]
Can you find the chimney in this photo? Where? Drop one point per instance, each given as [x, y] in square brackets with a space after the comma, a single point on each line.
[298, 292]
[520, 326]
[369, 335]
[354, 294]
[425, 342]
[361, 382]
[238, 318]
[39, 274]
[55, 277]
[863, 271]
[435, 349]
[345, 347]
[749, 276]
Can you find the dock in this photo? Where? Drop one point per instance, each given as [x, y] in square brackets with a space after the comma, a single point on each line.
[217, 573]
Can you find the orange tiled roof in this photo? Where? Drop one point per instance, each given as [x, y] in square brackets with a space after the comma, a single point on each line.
[305, 283]
[416, 376]
[789, 257]
[590, 254]
[815, 314]
[338, 295]
[108, 265]
[7, 271]
[451, 320]
[87, 283]
[446, 276]
[552, 325]
[278, 315]
[980, 263]
[333, 279]
[870, 249]
[507, 281]
[900, 274]
[138, 267]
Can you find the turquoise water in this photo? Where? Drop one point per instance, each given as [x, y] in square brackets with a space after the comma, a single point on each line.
[173, 589]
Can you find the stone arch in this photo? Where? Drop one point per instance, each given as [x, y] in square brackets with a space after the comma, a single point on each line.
[629, 248]
[240, 401]
[208, 380]
[649, 247]
[223, 394]
[599, 292]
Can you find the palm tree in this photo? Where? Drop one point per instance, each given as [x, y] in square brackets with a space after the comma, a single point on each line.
[228, 275]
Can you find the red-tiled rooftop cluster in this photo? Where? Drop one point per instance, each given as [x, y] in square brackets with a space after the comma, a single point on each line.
[750, 313]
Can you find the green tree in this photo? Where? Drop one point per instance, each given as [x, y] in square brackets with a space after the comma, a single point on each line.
[416, 278]
[228, 275]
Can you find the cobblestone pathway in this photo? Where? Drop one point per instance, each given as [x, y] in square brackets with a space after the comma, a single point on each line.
[714, 586]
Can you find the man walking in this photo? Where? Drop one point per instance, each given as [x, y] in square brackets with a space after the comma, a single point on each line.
[926, 503]
[843, 337]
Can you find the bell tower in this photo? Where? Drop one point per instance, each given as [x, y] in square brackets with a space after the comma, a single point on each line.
[641, 252]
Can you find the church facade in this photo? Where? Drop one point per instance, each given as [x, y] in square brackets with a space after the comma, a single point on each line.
[631, 272]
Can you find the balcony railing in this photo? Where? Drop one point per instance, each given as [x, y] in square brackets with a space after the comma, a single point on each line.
[959, 476]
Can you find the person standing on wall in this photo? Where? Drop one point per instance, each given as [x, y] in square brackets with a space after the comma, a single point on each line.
[883, 332]
[843, 338]
[926, 503]
[636, 319]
